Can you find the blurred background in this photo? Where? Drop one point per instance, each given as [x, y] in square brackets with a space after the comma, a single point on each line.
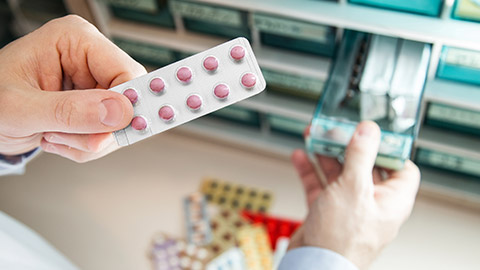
[104, 214]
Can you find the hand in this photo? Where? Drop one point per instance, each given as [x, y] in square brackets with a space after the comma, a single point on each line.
[65, 54]
[357, 213]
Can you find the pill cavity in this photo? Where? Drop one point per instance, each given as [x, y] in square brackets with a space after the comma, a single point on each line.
[194, 102]
[221, 91]
[210, 63]
[237, 52]
[139, 123]
[249, 80]
[157, 85]
[184, 74]
[131, 94]
[166, 113]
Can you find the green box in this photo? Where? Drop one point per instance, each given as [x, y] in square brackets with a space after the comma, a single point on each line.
[467, 10]
[286, 125]
[459, 65]
[238, 114]
[211, 19]
[424, 7]
[146, 54]
[147, 11]
[295, 35]
[454, 118]
[292, 84]
[449, 162]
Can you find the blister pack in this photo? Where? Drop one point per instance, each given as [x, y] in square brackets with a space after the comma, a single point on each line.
[197, 221]
[190, 88]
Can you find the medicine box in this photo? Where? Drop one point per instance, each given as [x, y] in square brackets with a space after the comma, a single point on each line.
[374, 78]
[296, 35]
[286, 125]
[425, 7]
[211, 19]
[467, 10]
[454, 118]
[447, 161]
[147, 54]
[297, 85]
[147, 11]
[460, 65]
[238, 114]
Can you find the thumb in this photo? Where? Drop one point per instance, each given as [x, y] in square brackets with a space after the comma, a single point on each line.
[361, 153]
[80, 111]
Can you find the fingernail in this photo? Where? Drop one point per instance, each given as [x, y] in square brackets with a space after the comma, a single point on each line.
[111, 112]
[365, 131]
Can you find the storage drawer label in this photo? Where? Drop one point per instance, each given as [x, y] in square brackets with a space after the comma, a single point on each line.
[153, 53]
[307, 84]
[142, 5]
[449, 161]
[291, 28]
[207, 13]
[454, 115]
[463, 58]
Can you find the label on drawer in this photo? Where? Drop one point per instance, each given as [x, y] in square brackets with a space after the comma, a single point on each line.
[454, 115]
[449, 161]
[287, 124]
[462, 57]
[207, 13]
[291, 28]
[146, 51]
[292, 81]
[141, 5]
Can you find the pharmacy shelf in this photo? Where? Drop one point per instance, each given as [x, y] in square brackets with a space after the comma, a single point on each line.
[449, 141]
[291, 62]
[452, 93]
[450, 186]
[168, 38]
[271, 103]
[374, 20]
[242, 136]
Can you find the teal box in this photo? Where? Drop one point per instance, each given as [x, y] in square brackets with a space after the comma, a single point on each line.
[286, 125]
[425, 7]
[448, 162]
[146, 54]
[296, 35]
[293, 84]
[459, 65]
[467, 10]
[453, 118]
[238, 114]
[147, 11]
[211, 19]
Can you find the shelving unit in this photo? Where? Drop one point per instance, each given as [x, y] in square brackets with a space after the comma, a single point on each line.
[439, 32]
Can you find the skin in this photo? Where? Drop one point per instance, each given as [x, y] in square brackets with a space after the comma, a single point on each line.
[35, 110]
[358, 212]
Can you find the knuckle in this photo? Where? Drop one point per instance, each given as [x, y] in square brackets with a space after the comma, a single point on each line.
[65, 109]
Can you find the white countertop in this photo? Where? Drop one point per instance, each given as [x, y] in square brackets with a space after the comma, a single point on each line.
[103, 214]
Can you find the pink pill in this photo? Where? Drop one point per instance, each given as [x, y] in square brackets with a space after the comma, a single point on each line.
[166, 113]
[194, 102]
[139, 123]
[184, 74]
[237, 53]
[249, 80]
[210, 63]
[221, 91]
[132, 95]
[157, 85]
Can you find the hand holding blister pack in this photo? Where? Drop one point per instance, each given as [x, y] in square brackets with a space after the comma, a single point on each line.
[190, 88]
[374, 78]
